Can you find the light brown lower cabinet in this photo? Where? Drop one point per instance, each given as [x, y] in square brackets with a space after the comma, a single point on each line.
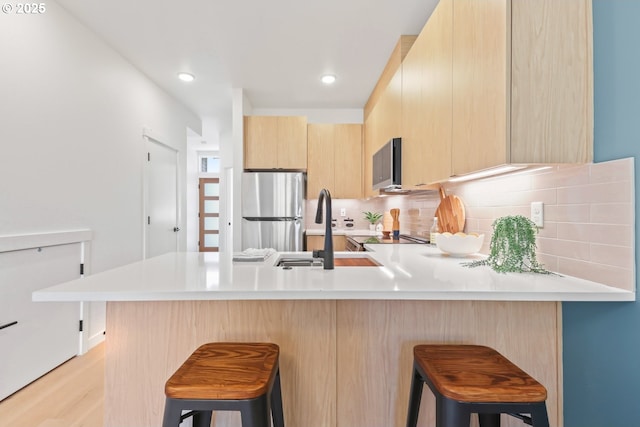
[317, 243]
[342, 362]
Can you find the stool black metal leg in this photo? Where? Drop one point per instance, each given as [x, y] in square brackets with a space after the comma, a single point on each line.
[255, 413]
[539, 417]
[276, 402]
[172, 413]
[415, 397]
[202, 419]
[489, 420]
[453, 414]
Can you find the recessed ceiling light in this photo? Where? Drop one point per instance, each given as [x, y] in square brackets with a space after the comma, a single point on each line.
[186, 77]
[328, 79]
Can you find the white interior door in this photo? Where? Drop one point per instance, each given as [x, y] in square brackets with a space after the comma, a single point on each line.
[162, 212]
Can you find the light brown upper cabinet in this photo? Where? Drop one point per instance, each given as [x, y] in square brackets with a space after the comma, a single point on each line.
[275, 142]
[522, 83]
[383, 111]
[335, 160]
[426, 102]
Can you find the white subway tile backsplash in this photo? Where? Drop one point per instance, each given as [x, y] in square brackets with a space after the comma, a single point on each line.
[595, 193]
[617, 256]
[567, 213]
[561, 176]
[611, 276]
[611, 213]
[589, 215]
[608, 172]
[549, 262]
[550, 230]
[565, 248]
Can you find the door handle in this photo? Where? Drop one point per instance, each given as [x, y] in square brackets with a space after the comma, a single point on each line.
[176, 229]
[15, 322]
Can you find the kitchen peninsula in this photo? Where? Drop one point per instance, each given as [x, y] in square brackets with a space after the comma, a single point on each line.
[346, 335]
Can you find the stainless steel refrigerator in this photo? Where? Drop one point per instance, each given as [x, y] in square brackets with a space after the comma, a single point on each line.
[273, 210]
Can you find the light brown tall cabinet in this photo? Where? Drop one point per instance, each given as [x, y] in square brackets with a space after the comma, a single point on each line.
[335, 160]
[383, 123]
[426, 101]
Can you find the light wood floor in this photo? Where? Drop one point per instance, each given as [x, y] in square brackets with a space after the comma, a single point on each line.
[72, 395]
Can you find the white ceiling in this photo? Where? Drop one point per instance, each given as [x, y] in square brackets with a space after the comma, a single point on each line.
[275, 50]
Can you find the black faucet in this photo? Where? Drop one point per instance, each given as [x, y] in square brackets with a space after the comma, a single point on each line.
[327, 253]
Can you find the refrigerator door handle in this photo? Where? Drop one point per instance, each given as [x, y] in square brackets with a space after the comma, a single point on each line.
[281, 235]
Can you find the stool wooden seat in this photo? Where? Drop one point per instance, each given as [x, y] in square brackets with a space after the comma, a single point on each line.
[468, 379]
[227, 376]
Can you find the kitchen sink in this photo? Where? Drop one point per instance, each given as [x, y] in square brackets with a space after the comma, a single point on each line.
[339, 260]
[287, 261]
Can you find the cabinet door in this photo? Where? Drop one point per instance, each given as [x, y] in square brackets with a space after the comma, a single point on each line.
[480, 84]
[339, 243]
[551, 96]
[413, 115]
[348, 161]
[383, 123]
[436, 94]
[317, 243]
[274, 142]
[321, 167]
[260, 138]
[335, 160]
[292, 143]
[42, 335]
[426, 102]
[370, 136]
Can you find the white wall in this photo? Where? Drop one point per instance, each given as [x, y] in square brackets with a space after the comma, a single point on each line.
[233, 155]
[316, 115]
[72, 112]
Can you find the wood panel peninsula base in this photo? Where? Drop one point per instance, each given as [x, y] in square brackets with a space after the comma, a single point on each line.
[344, 363]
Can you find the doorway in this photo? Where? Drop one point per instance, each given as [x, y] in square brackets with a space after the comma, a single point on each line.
[161, 216]
[209, 215]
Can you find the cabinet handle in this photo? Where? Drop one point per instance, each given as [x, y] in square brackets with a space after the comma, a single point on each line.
[6, 325]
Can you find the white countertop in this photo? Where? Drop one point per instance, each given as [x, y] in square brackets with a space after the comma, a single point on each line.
[408, 272]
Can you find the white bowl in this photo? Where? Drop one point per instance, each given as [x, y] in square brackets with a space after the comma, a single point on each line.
[459, 244]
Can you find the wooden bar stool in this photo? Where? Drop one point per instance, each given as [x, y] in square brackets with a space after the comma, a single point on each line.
[241, 377]
[468, 379]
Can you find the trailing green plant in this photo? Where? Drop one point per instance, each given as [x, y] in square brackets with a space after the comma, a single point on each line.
[372, 217]
[513, 247]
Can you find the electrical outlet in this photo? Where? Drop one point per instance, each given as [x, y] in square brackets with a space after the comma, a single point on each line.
[537, 213]
[343, 212]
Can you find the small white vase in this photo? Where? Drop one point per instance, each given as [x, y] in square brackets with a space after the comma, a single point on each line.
[372, 227]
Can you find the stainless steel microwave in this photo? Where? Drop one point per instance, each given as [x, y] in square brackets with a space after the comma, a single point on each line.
[387, 165]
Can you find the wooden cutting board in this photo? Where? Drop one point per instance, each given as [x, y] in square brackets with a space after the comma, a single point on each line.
[450, 213]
